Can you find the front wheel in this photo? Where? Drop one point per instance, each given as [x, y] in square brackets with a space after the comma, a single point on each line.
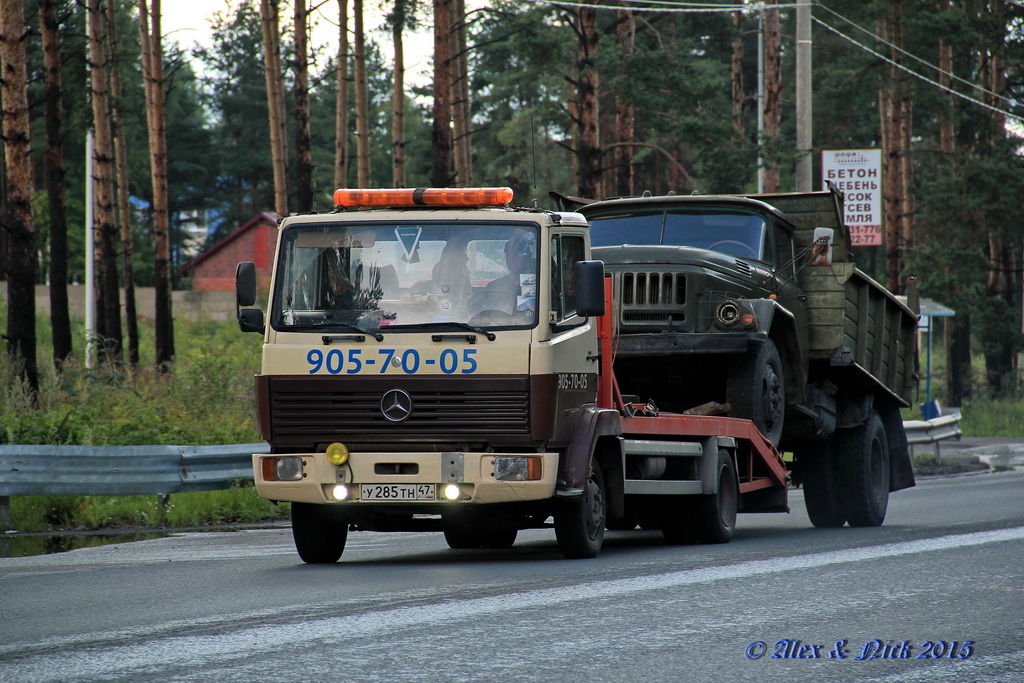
[319, 532]
[579, 527]
[757, 390]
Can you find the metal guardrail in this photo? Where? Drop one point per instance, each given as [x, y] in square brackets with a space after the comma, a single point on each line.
[123, 470]
[163, 470]
[946, 426]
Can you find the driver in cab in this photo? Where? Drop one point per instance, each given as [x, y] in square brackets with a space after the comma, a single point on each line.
[516, 291]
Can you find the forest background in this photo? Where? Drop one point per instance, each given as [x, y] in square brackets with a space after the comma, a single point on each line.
[593, 100]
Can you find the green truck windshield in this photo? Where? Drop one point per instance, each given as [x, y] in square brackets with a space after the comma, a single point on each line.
[376, 276]
[734, 233]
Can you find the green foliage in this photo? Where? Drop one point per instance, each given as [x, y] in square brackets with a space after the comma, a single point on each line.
[206, 399]
[992, 417]
[236, 505]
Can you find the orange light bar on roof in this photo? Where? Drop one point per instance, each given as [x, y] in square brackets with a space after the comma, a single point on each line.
[425, 196]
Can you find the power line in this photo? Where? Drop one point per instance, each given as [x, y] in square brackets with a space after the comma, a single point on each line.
[919, 59]
[672, 7]
[917, 75]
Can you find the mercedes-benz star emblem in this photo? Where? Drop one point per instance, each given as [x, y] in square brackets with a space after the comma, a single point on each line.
[396, 405]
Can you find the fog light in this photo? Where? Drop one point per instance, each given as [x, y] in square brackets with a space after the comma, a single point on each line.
[288, 469]
[339, 492]
[517, 468]
[451, 492]
[337, 453]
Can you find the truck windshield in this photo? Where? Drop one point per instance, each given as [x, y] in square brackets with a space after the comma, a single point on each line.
[386, 276]
[735, 233]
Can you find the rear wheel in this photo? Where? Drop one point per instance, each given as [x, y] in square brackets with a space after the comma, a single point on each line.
[714, 515]
[821, 494]
[579, 527]
[864, 470]
[319, 532]
[757, 390]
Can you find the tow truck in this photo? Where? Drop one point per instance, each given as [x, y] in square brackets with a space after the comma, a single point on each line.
[441, 360]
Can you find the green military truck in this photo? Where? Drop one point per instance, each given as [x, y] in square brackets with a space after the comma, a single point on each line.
[753, 305]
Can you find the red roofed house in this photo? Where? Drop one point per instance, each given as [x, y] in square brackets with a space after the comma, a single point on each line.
[214, 269]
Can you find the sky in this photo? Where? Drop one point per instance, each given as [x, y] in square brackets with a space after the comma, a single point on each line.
[188, 21]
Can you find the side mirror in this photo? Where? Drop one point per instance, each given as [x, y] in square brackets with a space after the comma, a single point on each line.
[589, 277]
[245, 284]
[249, 319]
[821, 248]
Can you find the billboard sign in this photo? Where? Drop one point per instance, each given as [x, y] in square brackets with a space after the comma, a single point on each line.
[858, 174]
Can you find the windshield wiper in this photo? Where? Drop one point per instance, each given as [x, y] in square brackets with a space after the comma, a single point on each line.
[451, 323]
[338, 323]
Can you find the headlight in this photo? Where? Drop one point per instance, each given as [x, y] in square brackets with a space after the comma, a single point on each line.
[339, 492]
[518, 468]
[286, 469]
[451, 492]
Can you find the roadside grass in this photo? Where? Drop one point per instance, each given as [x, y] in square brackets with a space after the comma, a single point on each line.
[206, 399]
[238, 505]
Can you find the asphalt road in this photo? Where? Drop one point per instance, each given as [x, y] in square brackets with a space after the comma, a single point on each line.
[936, 594]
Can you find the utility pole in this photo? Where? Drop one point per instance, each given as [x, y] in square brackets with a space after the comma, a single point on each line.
[805, 160]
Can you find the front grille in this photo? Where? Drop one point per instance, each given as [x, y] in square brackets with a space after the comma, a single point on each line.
[441, 408]
[651, 299]
[653, 288]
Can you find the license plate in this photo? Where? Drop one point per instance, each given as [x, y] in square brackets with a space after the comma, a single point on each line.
[396, 491]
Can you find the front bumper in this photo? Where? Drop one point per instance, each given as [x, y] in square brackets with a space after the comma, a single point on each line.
[672, 343]
[473, 473]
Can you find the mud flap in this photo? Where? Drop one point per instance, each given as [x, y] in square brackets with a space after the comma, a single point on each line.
[901, 469]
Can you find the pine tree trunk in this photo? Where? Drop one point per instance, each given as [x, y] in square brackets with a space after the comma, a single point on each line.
[153, 70]
[441, 135]
[304, 198]
[60, 319]
[341, 101]
[18, 226]
[270, 21]
[589, 149]
[625, 120]
[461, 123]
[124, 211]
[108, 305]
[893, 109]
[364, 171]
[398, 98]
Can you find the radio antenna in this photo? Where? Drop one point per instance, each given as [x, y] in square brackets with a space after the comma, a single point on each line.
[533, 144]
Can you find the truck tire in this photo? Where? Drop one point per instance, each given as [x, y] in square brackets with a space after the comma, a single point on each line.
[462, 539]
[714, 515]
[579, 527]
[319, 533]
[757, 390]
[863, 467]
[821, 494]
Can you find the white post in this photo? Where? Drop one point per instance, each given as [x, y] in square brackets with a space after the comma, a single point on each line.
[804, 164]
[90, 281]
